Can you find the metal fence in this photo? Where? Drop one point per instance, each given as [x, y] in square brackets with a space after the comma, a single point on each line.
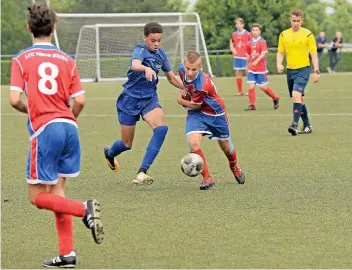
[217, 53]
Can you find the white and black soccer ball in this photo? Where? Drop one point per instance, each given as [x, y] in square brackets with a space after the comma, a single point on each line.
[192, 165]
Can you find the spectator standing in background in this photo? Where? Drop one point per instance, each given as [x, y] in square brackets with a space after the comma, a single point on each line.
[336, 43]
[321, 44]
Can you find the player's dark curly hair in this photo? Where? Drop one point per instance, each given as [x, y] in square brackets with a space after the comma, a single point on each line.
[152, 28]
[41, 20]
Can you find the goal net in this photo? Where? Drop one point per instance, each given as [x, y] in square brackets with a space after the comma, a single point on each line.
[102, 44]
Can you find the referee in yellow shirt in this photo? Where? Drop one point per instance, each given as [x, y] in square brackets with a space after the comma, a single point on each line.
[297, 43]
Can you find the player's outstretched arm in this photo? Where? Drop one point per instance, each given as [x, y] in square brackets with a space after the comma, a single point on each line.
[78, 104]
[174, 80]
[139, 67]
[16, 101]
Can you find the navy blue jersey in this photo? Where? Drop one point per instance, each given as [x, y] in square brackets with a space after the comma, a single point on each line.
[137, 85]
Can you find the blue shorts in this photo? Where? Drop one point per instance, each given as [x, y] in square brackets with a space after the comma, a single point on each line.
[54, 153]
[129, 109]
[259, 79]
[297, 79]
[239, 63]
[216, 127]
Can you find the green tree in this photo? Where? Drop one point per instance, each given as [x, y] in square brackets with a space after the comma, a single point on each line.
[340, 20]
[15, 37]
[218, 18]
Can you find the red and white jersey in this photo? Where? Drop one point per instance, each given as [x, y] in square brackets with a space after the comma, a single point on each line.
[49, 78]
[203, 92]
[240, 40]
[255, 48]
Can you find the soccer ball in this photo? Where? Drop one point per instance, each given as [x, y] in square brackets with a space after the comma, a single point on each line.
[192, 165]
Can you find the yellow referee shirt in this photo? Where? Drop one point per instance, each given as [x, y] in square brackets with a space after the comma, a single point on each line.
[297, 46]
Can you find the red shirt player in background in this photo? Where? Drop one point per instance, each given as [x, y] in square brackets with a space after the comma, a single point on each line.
[206, 116]
[257, 67]
[238, 46]
[49, 78]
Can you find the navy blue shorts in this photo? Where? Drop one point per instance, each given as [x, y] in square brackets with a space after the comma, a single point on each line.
[130, 109]
[216, 127]
[54, 153]
[297, 79]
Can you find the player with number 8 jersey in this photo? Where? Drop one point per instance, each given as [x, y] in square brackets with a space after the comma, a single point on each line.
[49, 78]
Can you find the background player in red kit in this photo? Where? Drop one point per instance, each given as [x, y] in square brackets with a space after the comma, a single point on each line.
[206, 116]
[257, 67]
[238, 46]
[49, 78]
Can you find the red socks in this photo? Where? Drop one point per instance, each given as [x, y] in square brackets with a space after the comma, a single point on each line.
[205, 173]
[60, 204]
[64, 230]
[239, 84]
[251, 96]
[271, 93]
[233, 164]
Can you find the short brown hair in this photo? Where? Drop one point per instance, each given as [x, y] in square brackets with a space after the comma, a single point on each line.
[192, 56]
[256, 25]
[41, 20]
[297, 12]
[239, 20]
[152, 28]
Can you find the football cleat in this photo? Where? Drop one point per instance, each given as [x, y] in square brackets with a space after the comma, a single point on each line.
[276, 103]
[239, 94]
[239, 176]
[250, 108]
[306, 130]
[142, 179]
[62, 261]
[92, 220]
[111, 161]
[207, 184]
[293, 129]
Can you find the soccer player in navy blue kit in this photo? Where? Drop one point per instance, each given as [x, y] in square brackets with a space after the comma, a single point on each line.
[139, 99]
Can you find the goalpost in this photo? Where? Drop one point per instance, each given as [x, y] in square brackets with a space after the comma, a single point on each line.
[102, 43]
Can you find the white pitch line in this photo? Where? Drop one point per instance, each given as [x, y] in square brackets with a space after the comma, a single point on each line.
[250, 114]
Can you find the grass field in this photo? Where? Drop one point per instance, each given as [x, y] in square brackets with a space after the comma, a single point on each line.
[293, 212]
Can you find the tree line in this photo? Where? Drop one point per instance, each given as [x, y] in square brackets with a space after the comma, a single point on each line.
[217, 17]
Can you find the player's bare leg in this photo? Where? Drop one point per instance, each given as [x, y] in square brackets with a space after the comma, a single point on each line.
[251, 97]
[124, 144]
[267, 90]
[156, 120]
[239, 82]
[230, 152]
[194, 141]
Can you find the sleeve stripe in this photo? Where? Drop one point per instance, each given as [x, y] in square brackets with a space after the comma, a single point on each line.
[196, 103]
[73, 69]
[310, 34]
[19, 64]
[77, 94]
[16, 88]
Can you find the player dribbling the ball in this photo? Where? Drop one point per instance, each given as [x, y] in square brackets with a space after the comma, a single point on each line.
[206, 116]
